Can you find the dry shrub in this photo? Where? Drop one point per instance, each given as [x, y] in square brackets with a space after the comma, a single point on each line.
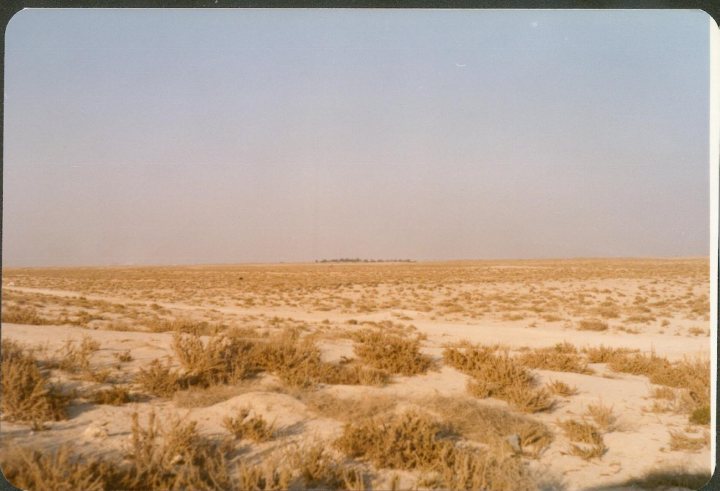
[75, 358]
[347, 409]
[390, 352]
[115, 396]
[578, 431]
[588, 452]
[700, 416]
[27, 395]
[124, 357]
[413, 441]
[247, 426]
[13, 314]
[298, 363]
[666, 478]
[691, 375]
[174, 457]
[60, 470]
[602, 415]
[683, 441]
[408, 441]
[187, 326]
[592, 325]
[268, 477]
[160, 380]
[604, 354]
[497, 374]
[562, 357]
[318, 469]
[490, 425]
[560, 388]
[221, 360]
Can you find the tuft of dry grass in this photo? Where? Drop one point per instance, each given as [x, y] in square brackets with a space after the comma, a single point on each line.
[115, 396]
[247, 426]
[578, 431]
[347, 409]
[28, 468]
[560, 388]
[603, 416]
[267, 477]
[160, 380]
[390, 352]
[562, 357]
[592, 324]
[490, 425]
[499, 375]
[318, 469]
[683, 441]
[123, 357]
[604, 354]
[219, 361]
[27, 394]
[413, 441]
[14, 314]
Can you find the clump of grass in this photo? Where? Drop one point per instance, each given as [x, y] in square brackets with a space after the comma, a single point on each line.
[115, 396]
[28, 468]
[347, 409]
[268, 477]
[604, 354]
[410, 441]
[700, 415]
[160, 380]
[587, 434]
[560, 388]
[74, 357]
[683, 441]
[124, 357]
[592, 325]
[497, 374]
[562, 357]
[490, 425]
[13, 314]
[247, 426]
[392, 353]
[413, 441]
[578, 431]
[603, 416]
[221, 360]
[27, 394]
[318, 469]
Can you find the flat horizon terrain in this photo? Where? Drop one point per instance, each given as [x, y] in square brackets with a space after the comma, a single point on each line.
[571, 374]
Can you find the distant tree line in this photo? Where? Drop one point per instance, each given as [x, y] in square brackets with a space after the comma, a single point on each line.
[358, 260]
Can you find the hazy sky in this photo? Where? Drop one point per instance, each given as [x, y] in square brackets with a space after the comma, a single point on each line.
[191, 136]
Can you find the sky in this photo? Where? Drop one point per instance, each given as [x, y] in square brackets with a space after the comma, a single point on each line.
[228, 136]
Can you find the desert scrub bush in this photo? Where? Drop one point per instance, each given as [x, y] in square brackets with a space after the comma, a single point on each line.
[114, 396]
[683, 441]
[27, 394]
[160, 380]
[690, 375]
[13, 314]
[560, 388]
[700, 415]
[74, 357]
[173, 457]
[267, 477]
[395, 354]
[33, 469]
[490, 425]
[499, 375]
[408, 441]
[603, 416]
[592, 325]
[221, 360]
[413, 441]
[123, 357]
[562, 357]
[318, 469]
[186, 326]
[247, 426]
[346, 409]
[587, 434]
[604, 354]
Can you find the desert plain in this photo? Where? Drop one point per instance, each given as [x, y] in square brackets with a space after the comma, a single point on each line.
[578, 374]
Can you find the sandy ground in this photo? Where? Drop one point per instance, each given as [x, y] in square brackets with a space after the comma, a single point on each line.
[639, 443]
